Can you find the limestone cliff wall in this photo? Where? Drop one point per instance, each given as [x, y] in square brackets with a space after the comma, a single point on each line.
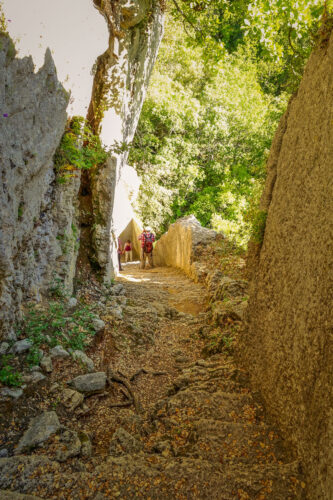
[121, 80]
[287, 344]
[36, 213]
[176, 248]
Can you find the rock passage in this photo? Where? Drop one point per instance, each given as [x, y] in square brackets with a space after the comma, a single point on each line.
[197, 432]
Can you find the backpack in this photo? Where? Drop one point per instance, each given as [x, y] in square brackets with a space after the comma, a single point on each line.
[148, 244]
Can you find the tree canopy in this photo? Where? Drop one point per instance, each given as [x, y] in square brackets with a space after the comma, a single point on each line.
[225, 71]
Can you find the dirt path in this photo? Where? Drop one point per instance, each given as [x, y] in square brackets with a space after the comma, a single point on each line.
[198, 432]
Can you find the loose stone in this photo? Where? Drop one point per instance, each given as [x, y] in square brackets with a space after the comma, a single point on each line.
[40, 429]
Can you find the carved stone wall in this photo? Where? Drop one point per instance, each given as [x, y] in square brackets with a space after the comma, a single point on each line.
[287, 345]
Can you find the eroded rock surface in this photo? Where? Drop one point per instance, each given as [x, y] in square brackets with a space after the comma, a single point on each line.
[34, 209]
[288, 340]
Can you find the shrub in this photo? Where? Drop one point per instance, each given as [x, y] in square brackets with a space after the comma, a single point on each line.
[79, 149]
[8, 375]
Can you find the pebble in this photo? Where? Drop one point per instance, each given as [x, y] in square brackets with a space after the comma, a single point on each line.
[21, 346]
[84, 359]
[58, 352]
[4, 346]
[12, 393]
[98, 324]
[72, 303]
[46, 364]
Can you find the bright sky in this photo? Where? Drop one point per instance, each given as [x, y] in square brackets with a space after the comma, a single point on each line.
[75, 32]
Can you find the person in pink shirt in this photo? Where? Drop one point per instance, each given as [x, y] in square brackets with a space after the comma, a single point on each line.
[128, 251]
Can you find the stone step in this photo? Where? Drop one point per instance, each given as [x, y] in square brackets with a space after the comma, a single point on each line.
[186, 478]
[152, 476]
[226, 406]
[230, 443]
[207, 384]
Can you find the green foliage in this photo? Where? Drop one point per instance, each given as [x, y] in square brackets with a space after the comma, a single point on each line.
[280, 32]
[258, 225]
[79, 149]
[3, 22]
[69, 241]
[203, 138]
[8, 374]
[55, 325]
[33, 357]
[20, 211]
[217, 342]
[57, 288]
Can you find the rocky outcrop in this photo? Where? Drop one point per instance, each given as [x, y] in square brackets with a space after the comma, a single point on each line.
[36, 213]
[121, 80]
[287, 345]
[176, 248]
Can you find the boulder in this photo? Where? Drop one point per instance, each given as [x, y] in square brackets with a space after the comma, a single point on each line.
[72, 303]
[58, 352]
[116, 312]
[84, 359]
[86, 446]
[118, 289]
[89, 383]
[40, 429]
[228, 287]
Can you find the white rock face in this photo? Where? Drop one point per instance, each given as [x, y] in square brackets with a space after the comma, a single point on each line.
[136, 29]
[34, 210]
[74, 31]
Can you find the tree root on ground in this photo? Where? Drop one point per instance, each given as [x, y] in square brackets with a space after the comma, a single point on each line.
[146, 372]
[113, 377]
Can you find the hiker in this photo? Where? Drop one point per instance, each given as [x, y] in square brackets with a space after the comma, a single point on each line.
[128, 251]
[147, 238]
[120, 252]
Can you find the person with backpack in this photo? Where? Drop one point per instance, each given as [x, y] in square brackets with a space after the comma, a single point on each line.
[147, 239]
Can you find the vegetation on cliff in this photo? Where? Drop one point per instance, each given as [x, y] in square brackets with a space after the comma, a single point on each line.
[79, 149]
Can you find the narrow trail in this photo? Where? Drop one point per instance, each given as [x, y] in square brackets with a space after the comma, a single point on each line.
[198, 432]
